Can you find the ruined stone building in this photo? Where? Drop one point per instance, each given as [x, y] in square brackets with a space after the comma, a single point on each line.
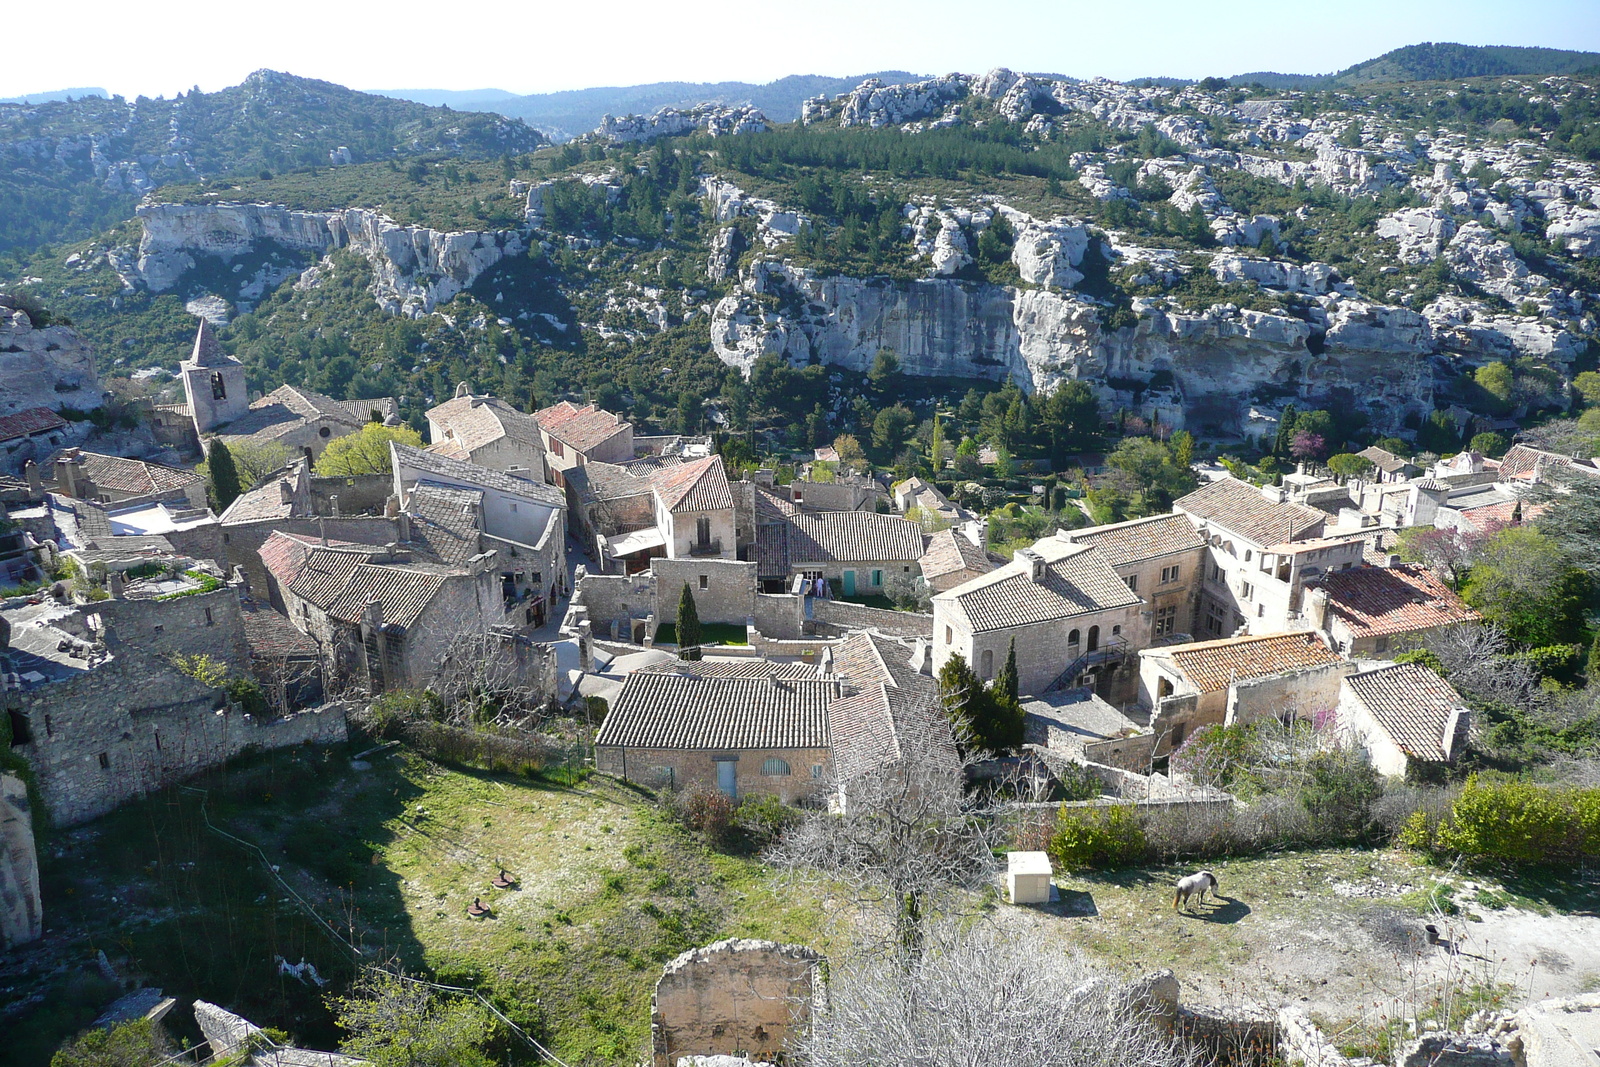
[101, 713]
[21, 911]
[737, 997]
[305, 422]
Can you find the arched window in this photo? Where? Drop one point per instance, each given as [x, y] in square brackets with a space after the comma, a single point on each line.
[774, 767]
[219, 388]
[1094, 638]
[987, 669]
[1073, 638]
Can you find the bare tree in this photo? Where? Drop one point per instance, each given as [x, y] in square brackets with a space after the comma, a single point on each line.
[1474, 658]
[905, 833]
[983, 998]
[491, 677]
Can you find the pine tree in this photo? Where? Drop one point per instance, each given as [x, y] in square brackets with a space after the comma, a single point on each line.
[688, 626]
[1593, 669]
[225, 487]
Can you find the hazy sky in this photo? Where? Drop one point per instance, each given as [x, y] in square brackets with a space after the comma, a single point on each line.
[540, 46]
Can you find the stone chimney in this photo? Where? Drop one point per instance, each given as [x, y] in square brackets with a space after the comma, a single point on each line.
[1317, 609]
[391, 507]
[402, 523]
[922, 656]
[285, 492]
[1032, 561]
[322, 532]
[333, 504]
[825, 662]
[67, 472]
[114, 584]
[30, 470]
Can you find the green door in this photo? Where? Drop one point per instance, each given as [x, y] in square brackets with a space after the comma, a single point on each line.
[848, 580]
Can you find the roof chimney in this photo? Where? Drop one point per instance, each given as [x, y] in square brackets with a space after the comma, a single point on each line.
[35, 480]
[322, 532]
[402, 523]
[1033, 561]
[285, 492]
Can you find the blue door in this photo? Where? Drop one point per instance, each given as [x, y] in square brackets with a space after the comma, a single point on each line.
[848, 580]
[728, 778]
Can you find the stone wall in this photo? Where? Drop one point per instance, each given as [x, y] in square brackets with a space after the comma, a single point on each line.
[134, 724]
[614, 599]
[736, 996]
[21, 914]
[780, 615]
[724, 590]
[200, 624]
[842, 616]
[676, 768]
[365, 494]
[204, 541]
[1127, 753]
[1305, 694]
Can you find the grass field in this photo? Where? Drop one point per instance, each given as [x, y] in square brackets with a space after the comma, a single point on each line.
[608, 891]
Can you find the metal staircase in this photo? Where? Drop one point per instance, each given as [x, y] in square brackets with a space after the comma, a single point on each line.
[1114, 650]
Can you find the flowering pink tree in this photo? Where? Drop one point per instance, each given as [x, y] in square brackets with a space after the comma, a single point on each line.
[1307, 446]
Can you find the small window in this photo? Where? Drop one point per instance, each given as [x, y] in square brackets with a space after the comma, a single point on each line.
[775, 767]
[1247, 555]
[1170, 574]
[816, 770]
[21, 728]
[1247, 590]
[947, 635]
[105, 761]
[1133, 582]
[219, 388]
[324, 432]
[705, 581]
[987, 670]
[225, 537]
[877, 577]
[1381, 645]
[209, 620]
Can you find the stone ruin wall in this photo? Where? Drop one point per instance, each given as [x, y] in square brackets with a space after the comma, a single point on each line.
[732, 997]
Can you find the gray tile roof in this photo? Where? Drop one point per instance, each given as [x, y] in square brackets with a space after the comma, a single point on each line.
[475, 421]
[691, 711]
[1240, 508]
[289, 407]
[848, 537]
[949, 552]
[448, 471]
[1140, 539]
[445, 520]
[1077, 580]
[1412, 704]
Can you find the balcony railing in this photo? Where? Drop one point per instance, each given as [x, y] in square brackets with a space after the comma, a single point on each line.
[706, 548]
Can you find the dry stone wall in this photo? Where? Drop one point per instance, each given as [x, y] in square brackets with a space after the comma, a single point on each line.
[732, 997]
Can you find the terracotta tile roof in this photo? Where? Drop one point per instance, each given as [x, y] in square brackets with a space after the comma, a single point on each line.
[1505, 511]
[582, 428]
[271, 636]
[1122, 543]
[1240, 508]
[698, 485]
[288, 408]
[320, 574]
[265, 501]
[1383, 459]
[29, 421]
[451, 471]
[1076, 580]
[445, 520]
[1526, 463]
[1414, 706]
[471, 422]
[867, 729]
[690, 711]
[1377, 601]
[949, 552]
[852, 537]
[284, 554]
[404, 593]
[1215, 665]
[135, 477]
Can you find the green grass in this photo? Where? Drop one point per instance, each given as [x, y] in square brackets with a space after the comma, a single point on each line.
[871, 600]
[608, 891]
[711, 633]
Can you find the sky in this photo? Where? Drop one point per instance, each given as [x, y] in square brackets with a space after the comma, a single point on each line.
[537, 46]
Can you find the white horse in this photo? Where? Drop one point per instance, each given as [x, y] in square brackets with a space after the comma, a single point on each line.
[1196, 886]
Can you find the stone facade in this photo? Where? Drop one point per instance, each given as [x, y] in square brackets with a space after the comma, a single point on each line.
[733, 997]
[678, 768]
[243, 541]
[840, 616]
[199, 624]
[134, 724]
[21, 913]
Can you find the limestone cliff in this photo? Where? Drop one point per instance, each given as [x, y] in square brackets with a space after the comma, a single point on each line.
[43, 368]
[416, 267]
[1204, 369]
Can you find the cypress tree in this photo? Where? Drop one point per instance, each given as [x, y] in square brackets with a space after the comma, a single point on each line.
[225, 488]
[1005, 683]
[688, 626]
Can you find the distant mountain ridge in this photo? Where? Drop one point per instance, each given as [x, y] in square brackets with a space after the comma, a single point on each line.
[54, 95]
[577, 111]
[1431, 61]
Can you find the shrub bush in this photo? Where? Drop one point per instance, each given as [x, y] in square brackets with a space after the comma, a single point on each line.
[1102, 836]
[1518, 823]
[764, 817]
[706, 811]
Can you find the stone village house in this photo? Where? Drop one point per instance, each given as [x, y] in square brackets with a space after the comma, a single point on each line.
[489, 432]
[1401, 716]
[573, 436]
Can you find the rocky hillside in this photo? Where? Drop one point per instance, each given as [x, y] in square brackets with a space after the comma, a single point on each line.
[1436, 62]
[60, 160]
[1199, 257]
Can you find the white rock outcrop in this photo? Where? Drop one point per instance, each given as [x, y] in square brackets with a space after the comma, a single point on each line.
[1372, 358]
[416, 268]
[1313, 278]
[52, 367]
[1479, 255]
[875, 104]
[1422, 232]
[718, 120]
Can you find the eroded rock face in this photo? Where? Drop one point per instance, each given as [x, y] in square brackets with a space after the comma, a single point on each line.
[874, 104]
[1370, 358]
[1311, 278]
[1047, 253]
[43, 368]
[718, 120]
[1478, 255]
[1420, 231]
[416, 268]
